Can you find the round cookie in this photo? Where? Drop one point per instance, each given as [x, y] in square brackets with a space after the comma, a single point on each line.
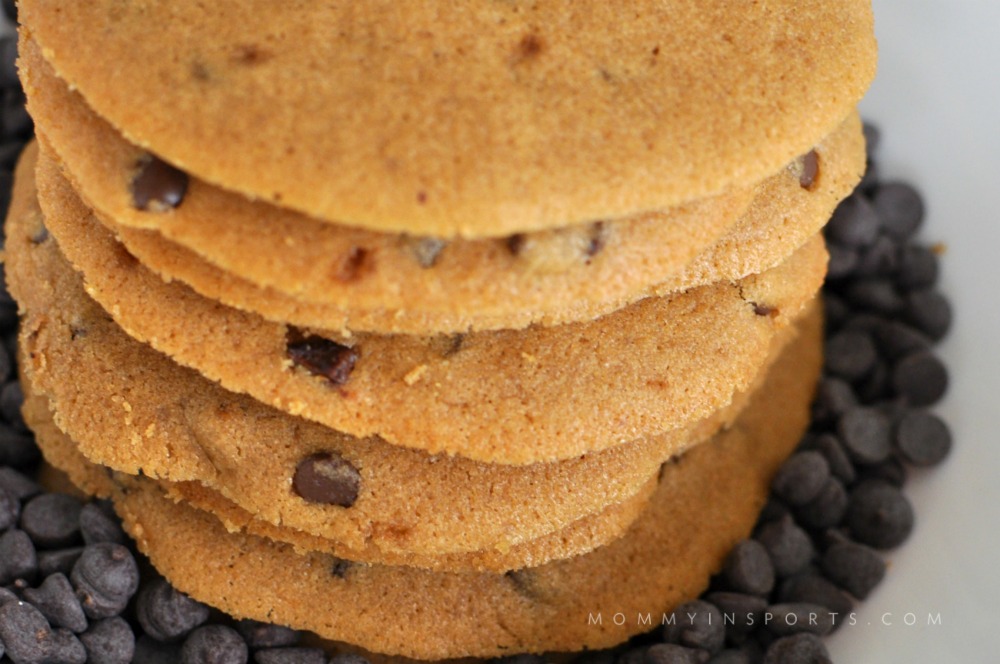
[485, 120]
[509, 397]
[133, 409]
[369, 277]
[705, 502]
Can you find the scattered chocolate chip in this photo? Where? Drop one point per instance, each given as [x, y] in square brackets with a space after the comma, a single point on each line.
[98, 523]
[60, 560]
[801, 478]
[109, 641]
[10, 509]
[843, 261]
[167, 614]
[850, 355]
[265, 635]
[799, 618]
[798, 649]
[18, 484]
[671, 653]
[58, 603]
[834, 397]
[150, 651]
[29, 639]
[17, 557]
[328, 479]
[763, 309]
[881, 259]
[809, 169]
[879, 515]
[891, 470]
[900, 209]
[696, 624]
[812, 588]
[928, 311]
[157, 186]
[216, 644]
[922, 438]
[515, 243]
[836, 457]
[918, 267]
[854, 223]
[878, 295]
[742, 613]
[348, 658]
[106, 576]
[52, 520]
[11, 400]
[921, 378]
[788, 546]
[290, 656]
[866, 434]
[854, 567]
[826, 509]
[748, 568]
[323, 357]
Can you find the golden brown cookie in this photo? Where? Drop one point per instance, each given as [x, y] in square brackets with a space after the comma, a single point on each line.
[131, 408]
[485, 120]
[387, 283]
[510, 397]
[369, 277]
[705, 502]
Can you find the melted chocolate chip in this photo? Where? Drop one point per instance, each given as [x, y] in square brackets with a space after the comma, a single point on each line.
[352, 264]
[516, 242]
[764, 309]
[157, 186]
[810, 169]
[323, 357]
[339, 567]
[328, 479]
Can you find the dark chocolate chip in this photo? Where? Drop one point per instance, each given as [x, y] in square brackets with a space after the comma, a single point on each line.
[854, 567]
[290, 656]
[836, 457]
[60, 560]
[339, 567]
[11, 400]
[922, 438]
[348, 658]
[798, 649]
[352, 264]
[918, 268]
[214, 644]
[826, 509]
[323, 357]
[921, 378]
[928, 311]
[167, 614]
[696, 624]
[897, 339]
[741, 613]
[328, 479]
[850, 355]
[900, 208]
[843, 261]
[891, 470]
[29, 639]
[879, 515]
[17, 557]
[52, 520]
[515, 243]
[14, 117]
[873, 136]
[748, 569]
[58, 603]
[799, 618]
[18, 484]
[801, 477]
[731, 656]
[150, 651]
[834, 397]
[809, 169]
[866, 434]
[854, 223]
[157, 186]
[17, 448]
[10, 509]
[881, 259]
[814, 589]
[877, 294]
[109, 641]
[10, 9]
[8, 59]
[264, 635]
[98, 523]
[106, 576]
[789, 546]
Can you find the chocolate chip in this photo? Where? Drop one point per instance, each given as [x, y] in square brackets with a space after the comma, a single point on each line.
[814, 589]
[10, 9]
[799, 618]
[29, 639]
[826, 509]
[873, 136]
[52, 520]
[17, 448]
[61, 560]
[731, 656]
[214, 644]
[879, 515]
[877, 294]
[264, 635]
[10, 509]
[897, 339]
[515, 243]
[348, 658]
[921, 378]
[928, 311]
[788, 546]
[18, 484]
[854, 567]
[850, 355]
[11, 400]
[836, 457]
[763, 309]
[833, 398]
[352, 264]
[891, 470]
[742, 613]
[696, 624]
[866, 434]
[98, 523]
[290, 656]
[106, 576]
[8, 59]
[327, 479]
[881, 259]
[427, 249]
[17, 557]
[340, 567]
[900, 209]
[918, 268]
[798, 649]
[843, 261]
[109, 641]
[809, 169]
[323, 357]
[167, 614]
[748, 568]
[150, 651]
[58, 603]
[854, 223]
[157, 186]
[801, 478]
[598, 239]
[922, 438]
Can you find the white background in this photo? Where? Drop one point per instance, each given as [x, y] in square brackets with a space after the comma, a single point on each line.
[937, 101]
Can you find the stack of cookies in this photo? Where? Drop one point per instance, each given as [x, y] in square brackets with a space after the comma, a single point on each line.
[440, 332]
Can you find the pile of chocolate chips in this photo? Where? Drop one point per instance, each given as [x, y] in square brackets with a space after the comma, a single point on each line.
[73, 589]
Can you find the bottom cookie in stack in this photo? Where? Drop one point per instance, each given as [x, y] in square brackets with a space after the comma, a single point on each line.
[705, 501]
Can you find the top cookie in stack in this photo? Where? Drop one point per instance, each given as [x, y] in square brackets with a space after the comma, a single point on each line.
[506, 259]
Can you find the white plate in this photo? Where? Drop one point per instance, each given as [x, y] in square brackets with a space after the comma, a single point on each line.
[937, 101]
